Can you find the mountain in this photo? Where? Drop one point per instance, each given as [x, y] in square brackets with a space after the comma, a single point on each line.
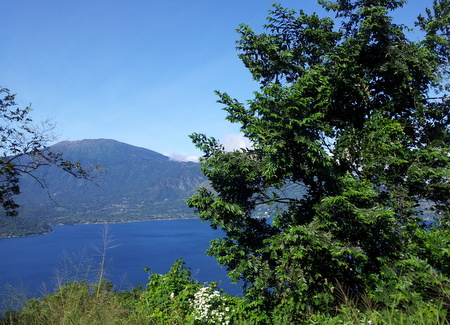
[133, 184]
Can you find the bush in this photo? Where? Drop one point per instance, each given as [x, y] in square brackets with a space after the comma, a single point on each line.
[175, 298]
[73, 303]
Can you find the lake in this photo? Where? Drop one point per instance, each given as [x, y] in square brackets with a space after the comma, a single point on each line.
[34, 265]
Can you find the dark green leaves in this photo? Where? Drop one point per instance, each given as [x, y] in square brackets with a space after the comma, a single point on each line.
[293, 45]
[346, 116]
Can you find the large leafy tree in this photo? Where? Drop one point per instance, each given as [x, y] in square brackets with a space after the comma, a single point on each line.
[350, 158]
[23, 149]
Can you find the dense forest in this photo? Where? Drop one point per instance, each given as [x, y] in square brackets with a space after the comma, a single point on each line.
[22, 227]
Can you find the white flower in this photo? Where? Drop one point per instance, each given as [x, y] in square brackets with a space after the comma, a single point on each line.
[210, 307]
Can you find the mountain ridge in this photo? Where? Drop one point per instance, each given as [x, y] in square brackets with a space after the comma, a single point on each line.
[132, 184]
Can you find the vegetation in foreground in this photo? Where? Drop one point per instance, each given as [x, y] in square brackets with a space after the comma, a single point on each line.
[356, 119]
[174, 298]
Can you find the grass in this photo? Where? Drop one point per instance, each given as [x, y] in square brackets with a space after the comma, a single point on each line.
[171, 299]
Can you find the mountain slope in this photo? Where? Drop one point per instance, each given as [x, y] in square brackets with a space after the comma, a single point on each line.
[133, 184]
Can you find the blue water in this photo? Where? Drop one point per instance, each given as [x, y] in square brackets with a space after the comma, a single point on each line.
[37, 264]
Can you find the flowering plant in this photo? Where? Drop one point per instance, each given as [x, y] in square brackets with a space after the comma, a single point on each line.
[210, 307]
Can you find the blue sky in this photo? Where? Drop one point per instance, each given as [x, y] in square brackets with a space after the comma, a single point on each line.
[137, 71]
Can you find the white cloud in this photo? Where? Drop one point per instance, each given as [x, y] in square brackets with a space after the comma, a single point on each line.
[181, 157]
[236, 141]
[232, 142]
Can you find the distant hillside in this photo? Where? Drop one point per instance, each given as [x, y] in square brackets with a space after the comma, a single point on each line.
[133, 184]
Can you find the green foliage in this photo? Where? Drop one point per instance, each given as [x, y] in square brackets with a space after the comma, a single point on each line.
[350, 153]
[175, 298]
[345, 117]
[167, 297]
[171, 298]
[74, 303]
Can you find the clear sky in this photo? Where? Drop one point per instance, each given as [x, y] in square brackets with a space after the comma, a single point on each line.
[141, 72]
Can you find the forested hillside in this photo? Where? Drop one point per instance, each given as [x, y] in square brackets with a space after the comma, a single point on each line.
[130, 184]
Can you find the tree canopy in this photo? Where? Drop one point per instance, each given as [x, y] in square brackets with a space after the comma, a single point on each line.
[350, 158]
[23, 149]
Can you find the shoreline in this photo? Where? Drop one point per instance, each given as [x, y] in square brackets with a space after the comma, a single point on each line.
[96, 223]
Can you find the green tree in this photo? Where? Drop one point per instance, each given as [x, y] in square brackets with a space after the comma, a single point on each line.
[23, 149]
[350, 134]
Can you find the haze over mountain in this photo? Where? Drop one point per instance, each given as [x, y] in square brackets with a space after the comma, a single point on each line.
[133, 184]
